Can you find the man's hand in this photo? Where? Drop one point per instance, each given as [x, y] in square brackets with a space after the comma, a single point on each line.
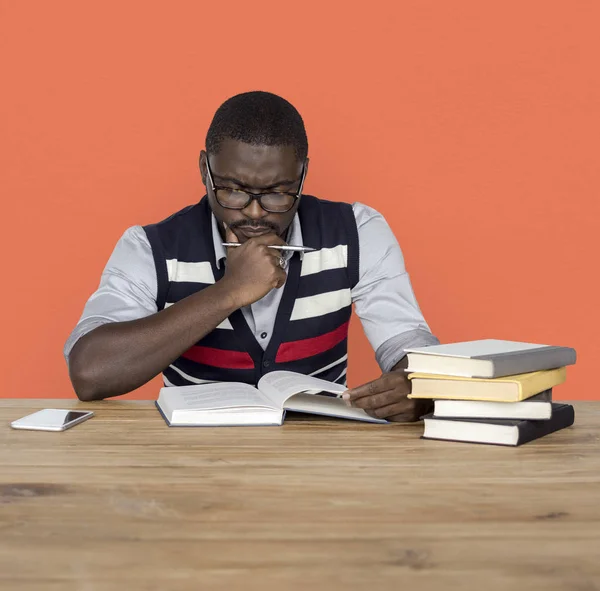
[253, 270]
[386, 398]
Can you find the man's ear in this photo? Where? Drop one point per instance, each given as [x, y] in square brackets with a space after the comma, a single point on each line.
[305, 174]
[202, 165]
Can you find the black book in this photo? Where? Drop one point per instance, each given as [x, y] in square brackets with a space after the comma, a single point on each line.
[498, 431]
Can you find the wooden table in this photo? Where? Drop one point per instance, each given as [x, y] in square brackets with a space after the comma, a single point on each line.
[123, 502]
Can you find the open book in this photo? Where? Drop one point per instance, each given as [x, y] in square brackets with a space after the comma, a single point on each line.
[234, 404]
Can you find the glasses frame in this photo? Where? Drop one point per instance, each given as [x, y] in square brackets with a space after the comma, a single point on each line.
[257, 196]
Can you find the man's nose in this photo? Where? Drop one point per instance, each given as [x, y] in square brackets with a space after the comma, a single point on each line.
[254, 211]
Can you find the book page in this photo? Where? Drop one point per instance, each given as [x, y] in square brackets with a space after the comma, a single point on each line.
[280, 385]
[474, 349]
[330, 407]
[219, 395]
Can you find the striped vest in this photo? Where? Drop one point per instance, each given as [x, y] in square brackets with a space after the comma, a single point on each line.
[311, 327]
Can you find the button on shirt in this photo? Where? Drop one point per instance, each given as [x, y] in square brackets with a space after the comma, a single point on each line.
[383, 298]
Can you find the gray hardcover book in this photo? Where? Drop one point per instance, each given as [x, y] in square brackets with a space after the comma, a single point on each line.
[488, 358]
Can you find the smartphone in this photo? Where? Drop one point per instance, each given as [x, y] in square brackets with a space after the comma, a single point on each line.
[52, 419]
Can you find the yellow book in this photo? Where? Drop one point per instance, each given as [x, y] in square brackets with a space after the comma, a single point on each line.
[507, 389]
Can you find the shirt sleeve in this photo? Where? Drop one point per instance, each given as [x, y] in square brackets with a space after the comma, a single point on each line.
[383, 297]
[128, 287]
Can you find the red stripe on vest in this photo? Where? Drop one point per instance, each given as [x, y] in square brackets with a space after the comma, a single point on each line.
[295, 350]
[220, 357]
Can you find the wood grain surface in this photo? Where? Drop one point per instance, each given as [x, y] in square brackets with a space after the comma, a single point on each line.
[124, 502]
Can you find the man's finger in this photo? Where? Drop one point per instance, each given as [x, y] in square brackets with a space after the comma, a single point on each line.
[400, 412]
[276, 254]
[270, 239]
[281, 280]
[369, 389]
[229, 234]
[376, 400]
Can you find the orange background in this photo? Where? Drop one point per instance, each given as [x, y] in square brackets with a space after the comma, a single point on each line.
[472, 126]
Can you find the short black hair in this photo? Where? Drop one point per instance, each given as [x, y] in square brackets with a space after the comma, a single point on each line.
[258, 118]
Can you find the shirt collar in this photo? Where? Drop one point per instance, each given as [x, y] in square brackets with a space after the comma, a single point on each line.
[294, 236]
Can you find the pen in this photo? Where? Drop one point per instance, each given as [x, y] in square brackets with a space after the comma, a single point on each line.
[287, 247]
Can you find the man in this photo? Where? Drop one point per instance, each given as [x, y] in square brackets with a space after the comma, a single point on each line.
[174, 299]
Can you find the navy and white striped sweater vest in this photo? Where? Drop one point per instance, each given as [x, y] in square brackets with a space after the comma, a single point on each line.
[311, 327]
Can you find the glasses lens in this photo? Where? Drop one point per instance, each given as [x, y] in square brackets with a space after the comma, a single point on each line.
[273, 202]
[232, 198]
[277, 202]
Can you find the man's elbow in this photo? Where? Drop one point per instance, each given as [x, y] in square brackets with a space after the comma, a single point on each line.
[84, 375]
[85, 386]
[88, 394]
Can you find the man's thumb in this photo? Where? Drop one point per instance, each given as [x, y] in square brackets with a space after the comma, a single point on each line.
[229, 234]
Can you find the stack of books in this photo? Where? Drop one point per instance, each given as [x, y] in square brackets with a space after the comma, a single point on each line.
[491, 391]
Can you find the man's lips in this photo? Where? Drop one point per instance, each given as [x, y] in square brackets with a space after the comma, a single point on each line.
[251, 232]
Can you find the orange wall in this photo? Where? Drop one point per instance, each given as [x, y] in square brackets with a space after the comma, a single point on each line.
[473, 126]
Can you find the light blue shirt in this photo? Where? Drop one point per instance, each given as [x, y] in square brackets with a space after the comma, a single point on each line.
[383, 298]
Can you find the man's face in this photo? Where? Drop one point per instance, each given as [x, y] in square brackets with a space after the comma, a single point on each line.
[254, 169]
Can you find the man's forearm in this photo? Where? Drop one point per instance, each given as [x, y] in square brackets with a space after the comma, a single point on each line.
[118, 357]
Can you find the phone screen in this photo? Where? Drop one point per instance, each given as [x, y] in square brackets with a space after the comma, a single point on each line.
[52, 419]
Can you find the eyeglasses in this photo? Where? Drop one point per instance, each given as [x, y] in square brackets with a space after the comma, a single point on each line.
[273, 202]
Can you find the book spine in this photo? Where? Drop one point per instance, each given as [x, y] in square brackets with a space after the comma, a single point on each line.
[561, 418]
